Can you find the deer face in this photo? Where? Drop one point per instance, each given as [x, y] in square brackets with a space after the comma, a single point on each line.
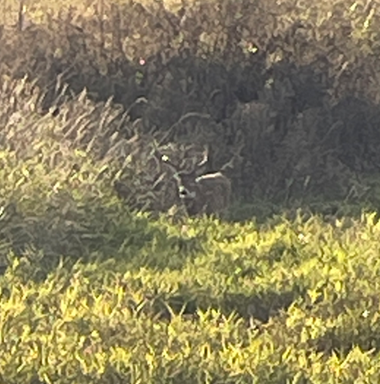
[187, 185]
[189, 192]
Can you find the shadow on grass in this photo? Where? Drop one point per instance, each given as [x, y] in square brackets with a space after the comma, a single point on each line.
[87, 233]
[260, 306]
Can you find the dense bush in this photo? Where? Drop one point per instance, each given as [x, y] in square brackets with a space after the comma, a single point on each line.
[291, 81]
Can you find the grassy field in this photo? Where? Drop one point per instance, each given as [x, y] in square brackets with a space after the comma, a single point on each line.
[93, 290]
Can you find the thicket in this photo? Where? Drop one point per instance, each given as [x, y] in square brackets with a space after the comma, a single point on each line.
[292, 81]
[104, 280]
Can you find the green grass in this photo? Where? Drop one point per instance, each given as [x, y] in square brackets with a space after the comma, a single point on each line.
[229, 302]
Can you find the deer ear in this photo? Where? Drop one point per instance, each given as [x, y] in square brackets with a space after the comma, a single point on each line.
[193, 174]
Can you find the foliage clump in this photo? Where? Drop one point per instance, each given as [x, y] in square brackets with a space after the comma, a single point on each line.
[293, 82]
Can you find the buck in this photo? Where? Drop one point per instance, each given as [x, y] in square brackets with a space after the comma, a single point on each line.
[207, 193]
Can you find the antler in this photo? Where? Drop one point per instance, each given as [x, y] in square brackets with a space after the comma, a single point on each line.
[205, 157]
[196, 165]
[236, 155]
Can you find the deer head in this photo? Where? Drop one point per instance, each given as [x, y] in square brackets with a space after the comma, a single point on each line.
[201, 192]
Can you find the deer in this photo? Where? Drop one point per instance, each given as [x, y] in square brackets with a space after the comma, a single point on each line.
[201, 193]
